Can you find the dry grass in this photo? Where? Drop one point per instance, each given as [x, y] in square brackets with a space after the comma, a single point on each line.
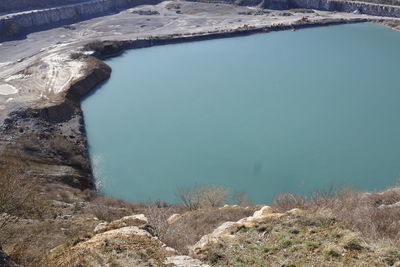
[210, 196]
[17, 195]
[307, 239]
[188, 229]
[45, 214]
[375, 215]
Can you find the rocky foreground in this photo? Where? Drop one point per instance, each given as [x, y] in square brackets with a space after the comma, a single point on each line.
[267, 238]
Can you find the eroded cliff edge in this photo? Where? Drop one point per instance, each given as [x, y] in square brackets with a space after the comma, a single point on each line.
[50, 138]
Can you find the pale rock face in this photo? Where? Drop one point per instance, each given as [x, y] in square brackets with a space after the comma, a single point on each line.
[132, 220]
[173, 218]
[184, 261]
[295, 211]
[227, 206]
[264, 211]
[125, 242]
[227, 229]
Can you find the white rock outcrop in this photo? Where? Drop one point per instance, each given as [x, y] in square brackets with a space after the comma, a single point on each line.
[227, 230]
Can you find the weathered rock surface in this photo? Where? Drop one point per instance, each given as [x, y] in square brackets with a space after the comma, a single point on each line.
[18, 24]
[10, 5]
[228, 229]
[124, 242]
[336, 5]
[50, 137]
[184, 261]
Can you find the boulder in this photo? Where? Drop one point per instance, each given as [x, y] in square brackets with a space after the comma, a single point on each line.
[123, 242]
[184, 261]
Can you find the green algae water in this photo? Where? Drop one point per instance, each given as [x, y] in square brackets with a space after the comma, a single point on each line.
[268, 113]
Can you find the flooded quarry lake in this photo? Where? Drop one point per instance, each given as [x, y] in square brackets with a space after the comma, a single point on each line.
[267, 113]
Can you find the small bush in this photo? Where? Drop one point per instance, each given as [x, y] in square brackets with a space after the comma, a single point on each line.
[203, 196]
[352, 244]
[311, 245]
[242, 199]
[17, 197]
[287, 201]
[391, 257]
[285, 244]
[331, 253]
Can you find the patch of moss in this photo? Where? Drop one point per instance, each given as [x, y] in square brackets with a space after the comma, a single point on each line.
[285, 244]
[391, 257]
[331, 253]
[311, 245]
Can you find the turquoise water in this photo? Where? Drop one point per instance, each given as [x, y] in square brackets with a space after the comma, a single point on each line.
[267, 113]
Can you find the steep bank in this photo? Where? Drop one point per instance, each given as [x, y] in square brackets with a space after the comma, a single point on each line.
[51, 139]
[15, 5]
[336, 5]
[16, 25]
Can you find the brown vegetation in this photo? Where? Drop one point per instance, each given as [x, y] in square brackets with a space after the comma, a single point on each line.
[46, 214]
[375, 215]
[306, 239]
[191, 226]
[210, 196]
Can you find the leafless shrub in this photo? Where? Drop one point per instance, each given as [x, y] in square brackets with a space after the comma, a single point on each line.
[193, 225]
[16, 194]
[361, 212]
[375, 215]
[89, 194]
[189, 197]
[213, 196]
[323, 197]
[242, 199]
[158, 217]
[287, 201]
[203, 196]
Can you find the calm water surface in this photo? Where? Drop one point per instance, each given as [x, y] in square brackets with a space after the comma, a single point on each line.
[268, 113]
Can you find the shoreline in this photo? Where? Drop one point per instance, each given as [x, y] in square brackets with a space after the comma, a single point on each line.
[49, 132]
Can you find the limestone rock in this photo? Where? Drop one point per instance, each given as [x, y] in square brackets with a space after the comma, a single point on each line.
[124, 242]
[264, 211]
[184, 261]
[228, 229]
[173, 218]
[133, 220]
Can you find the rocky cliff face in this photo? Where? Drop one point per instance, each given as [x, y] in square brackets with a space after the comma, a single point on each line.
[335, 5]
[18, 24]
[12, 5]
[51, 139]
[326, 5]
